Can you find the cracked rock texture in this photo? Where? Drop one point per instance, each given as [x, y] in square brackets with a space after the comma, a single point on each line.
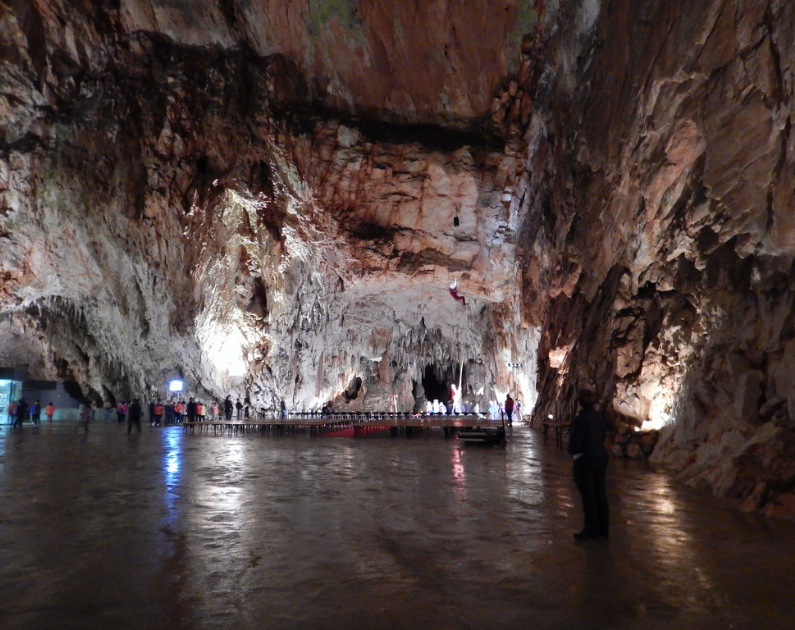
[272, 199]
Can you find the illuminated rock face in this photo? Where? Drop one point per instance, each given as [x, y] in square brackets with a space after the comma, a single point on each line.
[272, 199]
[178, 203]
[672, 240]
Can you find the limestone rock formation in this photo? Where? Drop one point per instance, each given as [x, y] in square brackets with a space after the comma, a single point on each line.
[274, 199]
[186, 195]
[671, 283]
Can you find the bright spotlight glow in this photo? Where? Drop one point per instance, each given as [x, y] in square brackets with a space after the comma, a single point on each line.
[175, 386]
[225, 348]
[659, 414]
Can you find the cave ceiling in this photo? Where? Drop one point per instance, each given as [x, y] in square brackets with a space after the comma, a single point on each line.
[271, 198]
[274, 199]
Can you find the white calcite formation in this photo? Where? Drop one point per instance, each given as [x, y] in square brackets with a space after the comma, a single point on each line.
[272, 199]
[179, 207]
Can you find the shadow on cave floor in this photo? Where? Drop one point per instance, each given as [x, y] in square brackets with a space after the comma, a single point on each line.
[164, 530]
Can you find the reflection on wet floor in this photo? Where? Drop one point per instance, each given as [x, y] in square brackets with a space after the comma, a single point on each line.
[164, 530]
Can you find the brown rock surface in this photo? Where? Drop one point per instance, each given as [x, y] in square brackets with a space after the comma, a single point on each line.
[176, 203]
[674, 230]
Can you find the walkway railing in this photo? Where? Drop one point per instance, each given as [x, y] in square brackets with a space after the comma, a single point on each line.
[317, 423]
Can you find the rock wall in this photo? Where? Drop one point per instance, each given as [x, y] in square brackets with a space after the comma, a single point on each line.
[671, 239]
[183, 207]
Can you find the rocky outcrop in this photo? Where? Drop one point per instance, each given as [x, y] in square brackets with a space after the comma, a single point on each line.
[673, 291]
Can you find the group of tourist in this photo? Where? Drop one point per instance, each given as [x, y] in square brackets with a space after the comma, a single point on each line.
[18, 412]
[508, 410]
[178, 411]
[172, 412]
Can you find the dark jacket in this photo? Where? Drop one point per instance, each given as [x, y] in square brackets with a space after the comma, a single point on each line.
[588, 433]
[134, 412]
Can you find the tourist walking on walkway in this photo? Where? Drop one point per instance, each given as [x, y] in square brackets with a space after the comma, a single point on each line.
[191, 410]
[158, 412]
[121, 412]
[239, 407]
[22, 412]
[228, 407]
[509, 409]
[83, 418]
[587, 447]
[49, 411]
[12, 412]
[134, 413]
[35, 412]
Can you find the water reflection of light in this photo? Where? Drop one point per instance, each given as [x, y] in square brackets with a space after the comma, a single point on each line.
[226, 493]
[234, 455]
[670, 534]
[459, 475]
[172, 465]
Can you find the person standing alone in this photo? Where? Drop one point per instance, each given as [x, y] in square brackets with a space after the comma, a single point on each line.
[587, 448]
[83, 418]
[134, 413]
[509, 409]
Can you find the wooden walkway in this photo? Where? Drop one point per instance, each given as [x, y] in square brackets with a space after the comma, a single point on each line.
[341, 424]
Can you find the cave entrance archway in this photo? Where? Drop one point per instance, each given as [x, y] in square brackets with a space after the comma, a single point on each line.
[436, 383]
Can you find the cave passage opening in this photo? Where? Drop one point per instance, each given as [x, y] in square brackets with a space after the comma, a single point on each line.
[437, 383]
[435, 386]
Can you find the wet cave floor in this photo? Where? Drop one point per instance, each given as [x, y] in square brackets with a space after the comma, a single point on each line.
[165, 530]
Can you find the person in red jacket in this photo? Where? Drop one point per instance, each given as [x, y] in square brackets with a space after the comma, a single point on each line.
[49, 410]
[509, 409]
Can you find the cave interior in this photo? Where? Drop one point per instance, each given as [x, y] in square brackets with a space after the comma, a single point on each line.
[346, 201]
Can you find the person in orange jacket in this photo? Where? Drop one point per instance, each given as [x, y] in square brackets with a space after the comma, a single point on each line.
[158, 412]
[49, 410]
[179, 409]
